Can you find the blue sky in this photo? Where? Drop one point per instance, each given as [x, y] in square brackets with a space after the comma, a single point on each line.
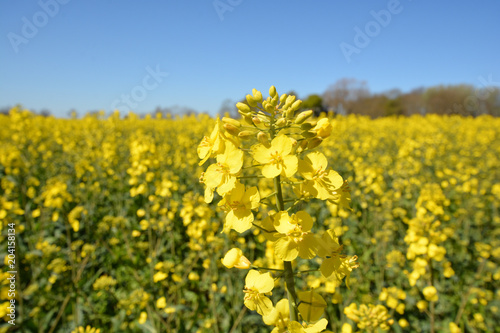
[104, 54]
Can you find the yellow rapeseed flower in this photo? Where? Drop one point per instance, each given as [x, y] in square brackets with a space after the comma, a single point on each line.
[430, 293]
[222, 175]
[257, 286]
[294, 235]
[277, 159]
[321, 183]
[323, 128]
[239, 204]
[214, 144]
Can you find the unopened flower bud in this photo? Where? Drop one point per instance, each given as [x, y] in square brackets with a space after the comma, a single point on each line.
[263, 138]
[235, 258]
[323, 128]
[314, 142]
[231, 121]
[306, 126]
[283, 98]
[243, 107]
[251, 101]
[308, 134]
[272, 91]
[269, 108]
[303, 116]
[296, 105]
[256, 120]
[281, 122]
[290, 99]
[231, 129]
[257, 95]
[276, 99]
[246, 135]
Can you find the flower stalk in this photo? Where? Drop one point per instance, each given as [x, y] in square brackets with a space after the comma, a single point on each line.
[277, 155]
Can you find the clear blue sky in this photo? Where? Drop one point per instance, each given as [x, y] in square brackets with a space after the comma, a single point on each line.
[88, 54]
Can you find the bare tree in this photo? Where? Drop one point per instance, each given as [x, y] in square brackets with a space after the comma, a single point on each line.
[344, 93]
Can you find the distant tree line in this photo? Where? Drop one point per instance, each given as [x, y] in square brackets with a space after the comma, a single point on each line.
[352, 96]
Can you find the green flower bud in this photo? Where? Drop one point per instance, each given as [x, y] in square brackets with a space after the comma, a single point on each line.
[272, 91]
[290, 99]
[251, 101]
[281, 122]
[231, 129]
[231, 121]
[269, 108]
[306, 126]
[257, 95]
[283, 98]
[243, 107]
[275, 100]
[256, 120]
[246, 135]
[296, 104]
[303, 116]
[263, 138]
[308, 134]
[314, 142]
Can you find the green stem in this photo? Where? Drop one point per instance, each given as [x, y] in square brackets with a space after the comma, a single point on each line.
[432, 304]
[266, 269]
[289, 280]
[290, 288]
[279, 194]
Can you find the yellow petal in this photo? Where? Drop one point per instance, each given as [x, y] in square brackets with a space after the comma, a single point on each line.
[329, 265]
[305, 168]
[252, 198]
[286, 249]
[271, 170]
[228, 182]
[319, 326]
[312, 305]
[241, 219]
[264, 283]
[212, 177]
[282, 144]
[308, 246]
[290, 164]
[318, 161]
[251, 277]
[334, 179]
[283, 223]
[237, 192]
[305, 220]
[261, 154]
